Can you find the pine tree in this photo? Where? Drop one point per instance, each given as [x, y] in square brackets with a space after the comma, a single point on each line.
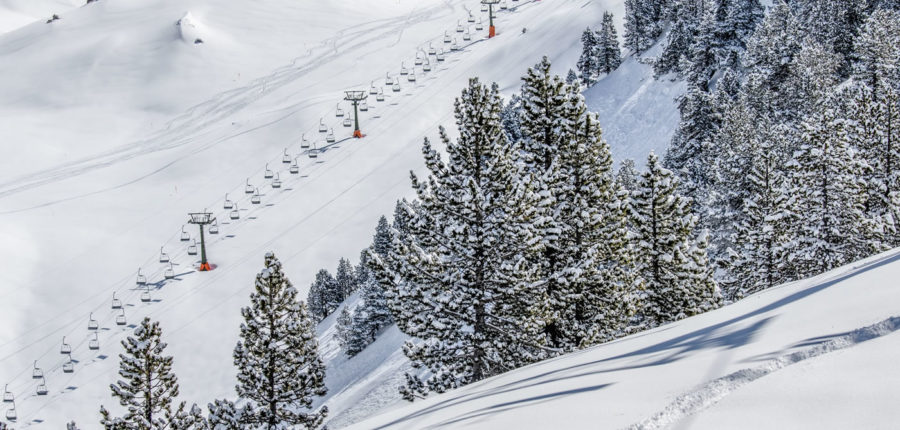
[279, 369]
[677, 50]
[571, 79]
[689, 154]
[343, 327]
[588, 63]
[372, 314]
[627, 176]
[608, 53]
[148, 387]
[323, 298]
[735, 22]
[545, 115]
[642, 23]
[69, 426]
[878, 51]
[224, 415]
[510, 118]
[345, 281]
[833, 24]
[458, 275]
[677, 278]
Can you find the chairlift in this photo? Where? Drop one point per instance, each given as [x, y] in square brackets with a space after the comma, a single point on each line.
[467, 35]
[403, 70]
[380, 96]
[214, 227]
[440, 55]
[471, 18]
[141, 279]
[363, 106]
[388, 80]
[276, 183]
[347, 122]
[228, 203]
[313, 153]
[396, 87]
[11, 413]
[322, 127]
[504, 5]
[454, 46]
[94, 344]
[304, 143]
[248, 189]
[338, 112]
[268, 173]
[484, 7]
[69, 366]
[168, 274]
[431, 50]
[329, 138]
[65, 348]
[418, 61]
[411, 77]
[459, 27]
[185, 236]
[480, 25]
[116, 303]
[234, 213]
[372, 89]
[145, 296]
[163, 257]
[256, 199]
[447, 37]
[120, 319]
[192, 250]
[92, 323]
[37, 373]
[41, 389]
[426, 67]
[8, 395]
[295, 168]
[286, 158]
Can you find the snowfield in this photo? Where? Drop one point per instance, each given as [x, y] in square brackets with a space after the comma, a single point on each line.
[818, 353]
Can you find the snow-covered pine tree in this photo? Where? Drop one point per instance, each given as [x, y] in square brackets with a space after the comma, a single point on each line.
[345, 281]
[832, 23]
[372, 314]
[148, 386]
[459, 275]
[343, 327]
[673, 264]
[588, 63]
[676, 53]
[510, 118]
[608, 53]
[224, 415]
[69, 426]
[571, 79]
[642, 24]
[323, 298]
[690, 154]
[627, 176]
[735, 22]
[878, 52]
[279, 369]
[828, 197]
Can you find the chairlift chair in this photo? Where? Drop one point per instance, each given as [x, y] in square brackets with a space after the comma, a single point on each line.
[338, 112]
[479, 25]
[41, 389]
[304, 143]
[447, 37]
[116, 303]
[141, 279]
[286, 158]
[313, 153]
[163, 257]
[69, 366]
[363, 106]
[403, 70]
[94, 344]
[248, 189]
[145, 296]
[8, 396]
[37, 373]
[329, 138]
[348, 122]
[295, 168]
[418, 61]
[168, 274]
[467, 35]
[120, 319]
[426, 67]
[440, 56]
[459, 27]
[380, 96]
[396, 87]
[185, 236]
[192, 250]
[228, 203]
[504, 5]
[256, 199]
[234, 213]
[11, 413]
[484, 7]
[276, 183]
[214, 227]
[93, 325]
[471, 18]
[454, 46]
[431, 50]
[388, 80]
[411, 77]
[65, 348]
[372, 89]
[268, 173]
[322, 127]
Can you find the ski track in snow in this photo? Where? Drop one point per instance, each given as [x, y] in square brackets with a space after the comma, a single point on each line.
[712, 392]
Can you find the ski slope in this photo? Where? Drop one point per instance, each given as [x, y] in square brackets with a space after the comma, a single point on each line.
[118, 124]
[819, 353]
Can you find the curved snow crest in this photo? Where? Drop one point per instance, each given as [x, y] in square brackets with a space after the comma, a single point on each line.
[190, 29]
[713, 391]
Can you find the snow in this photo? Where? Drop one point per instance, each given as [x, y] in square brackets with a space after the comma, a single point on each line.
[817, 353]
[120, 125]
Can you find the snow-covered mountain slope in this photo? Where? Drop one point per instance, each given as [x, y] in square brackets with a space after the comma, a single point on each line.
[119, 124]
[789, 357]
[15, 14]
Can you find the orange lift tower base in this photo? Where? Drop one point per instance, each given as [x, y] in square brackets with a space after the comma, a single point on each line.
[202, 219]
[490, 4]
[355, 97]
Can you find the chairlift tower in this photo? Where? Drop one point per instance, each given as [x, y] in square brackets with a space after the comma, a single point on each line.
[490, 4]
[355, 97]
[202, 219]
